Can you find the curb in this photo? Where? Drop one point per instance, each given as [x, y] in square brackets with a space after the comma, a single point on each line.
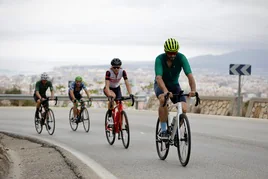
[81, 169]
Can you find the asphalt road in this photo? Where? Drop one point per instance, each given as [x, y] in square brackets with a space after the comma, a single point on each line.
[222, 147]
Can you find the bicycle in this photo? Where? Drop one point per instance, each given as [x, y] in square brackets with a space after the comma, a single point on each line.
[47, 117]
[180, 137]
[116, 122]
[82, 115]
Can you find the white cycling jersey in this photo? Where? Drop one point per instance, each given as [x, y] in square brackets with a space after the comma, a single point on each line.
[115, 79]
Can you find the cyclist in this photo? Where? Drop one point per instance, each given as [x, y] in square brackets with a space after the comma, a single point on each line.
[74, 93]
[168, 66]
[41, 87]
[112, 78]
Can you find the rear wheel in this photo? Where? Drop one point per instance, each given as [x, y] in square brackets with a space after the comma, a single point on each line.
[184, 140]
[162, 147]
[72, 121]
[85, 119]
[109, 128]
[125, 134]
[38, 125]
[50, 122]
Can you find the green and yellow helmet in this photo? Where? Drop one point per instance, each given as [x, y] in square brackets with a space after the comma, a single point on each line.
[78, 78]
[171, 45]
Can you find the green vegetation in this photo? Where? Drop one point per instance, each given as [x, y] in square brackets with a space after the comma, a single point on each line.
[14, 90]
[17, 90]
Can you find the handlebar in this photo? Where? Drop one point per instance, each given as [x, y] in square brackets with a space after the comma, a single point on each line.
[126, 98]
[82, 101]
[51, 99]
[182, 94]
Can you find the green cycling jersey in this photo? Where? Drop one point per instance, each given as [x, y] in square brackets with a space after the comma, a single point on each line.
[42, 88]
[170, 75]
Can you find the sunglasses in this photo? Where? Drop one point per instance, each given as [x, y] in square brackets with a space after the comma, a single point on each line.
[171, 53]
[116, 67]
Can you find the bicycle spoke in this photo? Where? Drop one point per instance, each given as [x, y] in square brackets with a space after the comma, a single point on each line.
[109, 128]
[38, 126]
[50, 122]
[125, 134]
[72, 121]
[161, 146]
[184, 147]
[85, 119]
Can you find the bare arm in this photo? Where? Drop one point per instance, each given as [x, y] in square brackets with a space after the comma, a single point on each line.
[52, 94]
[128, 87]
[107, 87]
[38, 94]
[161, 84]
[191, 83]
[87, 93]
[72, 94]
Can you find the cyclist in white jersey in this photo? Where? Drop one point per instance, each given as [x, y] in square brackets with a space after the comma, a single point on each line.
[112, 81]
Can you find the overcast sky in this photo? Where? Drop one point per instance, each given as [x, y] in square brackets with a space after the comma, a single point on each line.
[60, 32]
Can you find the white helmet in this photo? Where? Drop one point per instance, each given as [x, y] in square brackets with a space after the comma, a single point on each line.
[44, 76]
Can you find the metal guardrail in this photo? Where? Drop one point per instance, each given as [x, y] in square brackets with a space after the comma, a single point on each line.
[138, 98]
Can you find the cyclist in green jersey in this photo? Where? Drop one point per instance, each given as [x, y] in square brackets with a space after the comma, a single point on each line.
[168, 66]
[41, 87]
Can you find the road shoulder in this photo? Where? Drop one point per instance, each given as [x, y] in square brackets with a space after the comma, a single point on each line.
[29, 158]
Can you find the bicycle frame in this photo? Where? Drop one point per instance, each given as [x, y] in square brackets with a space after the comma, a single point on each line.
[175, 125]
[179, 111]
[116, 112]
[81, 104]
[45, 106]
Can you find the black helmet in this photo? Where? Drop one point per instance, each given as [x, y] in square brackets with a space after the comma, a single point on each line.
[116, 62]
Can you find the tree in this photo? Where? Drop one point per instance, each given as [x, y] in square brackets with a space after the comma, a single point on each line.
[2, 90]
[14, 90]
[60, 88]
[99, 82]
[94, 91]
[148, 87]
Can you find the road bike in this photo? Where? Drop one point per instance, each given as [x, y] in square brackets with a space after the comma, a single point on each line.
[82, 115]
[47, 117]
[116, 122]
[180, 136]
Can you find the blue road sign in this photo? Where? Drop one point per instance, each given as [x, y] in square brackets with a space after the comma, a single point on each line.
[240, 69]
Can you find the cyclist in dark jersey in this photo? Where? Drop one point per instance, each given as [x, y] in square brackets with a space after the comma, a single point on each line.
[167, 71]
[40, 91]
[74, 92]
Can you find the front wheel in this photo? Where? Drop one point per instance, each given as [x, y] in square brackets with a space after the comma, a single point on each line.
[38, 125]
[109, 128]
[85, 119]
[184, 140]
[125, 134]
[50, 122]
[72, 121]
[162, 147]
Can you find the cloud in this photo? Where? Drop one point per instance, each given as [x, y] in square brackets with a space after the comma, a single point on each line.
[52, 28]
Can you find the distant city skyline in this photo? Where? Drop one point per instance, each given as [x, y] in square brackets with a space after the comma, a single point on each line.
[39, 35]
